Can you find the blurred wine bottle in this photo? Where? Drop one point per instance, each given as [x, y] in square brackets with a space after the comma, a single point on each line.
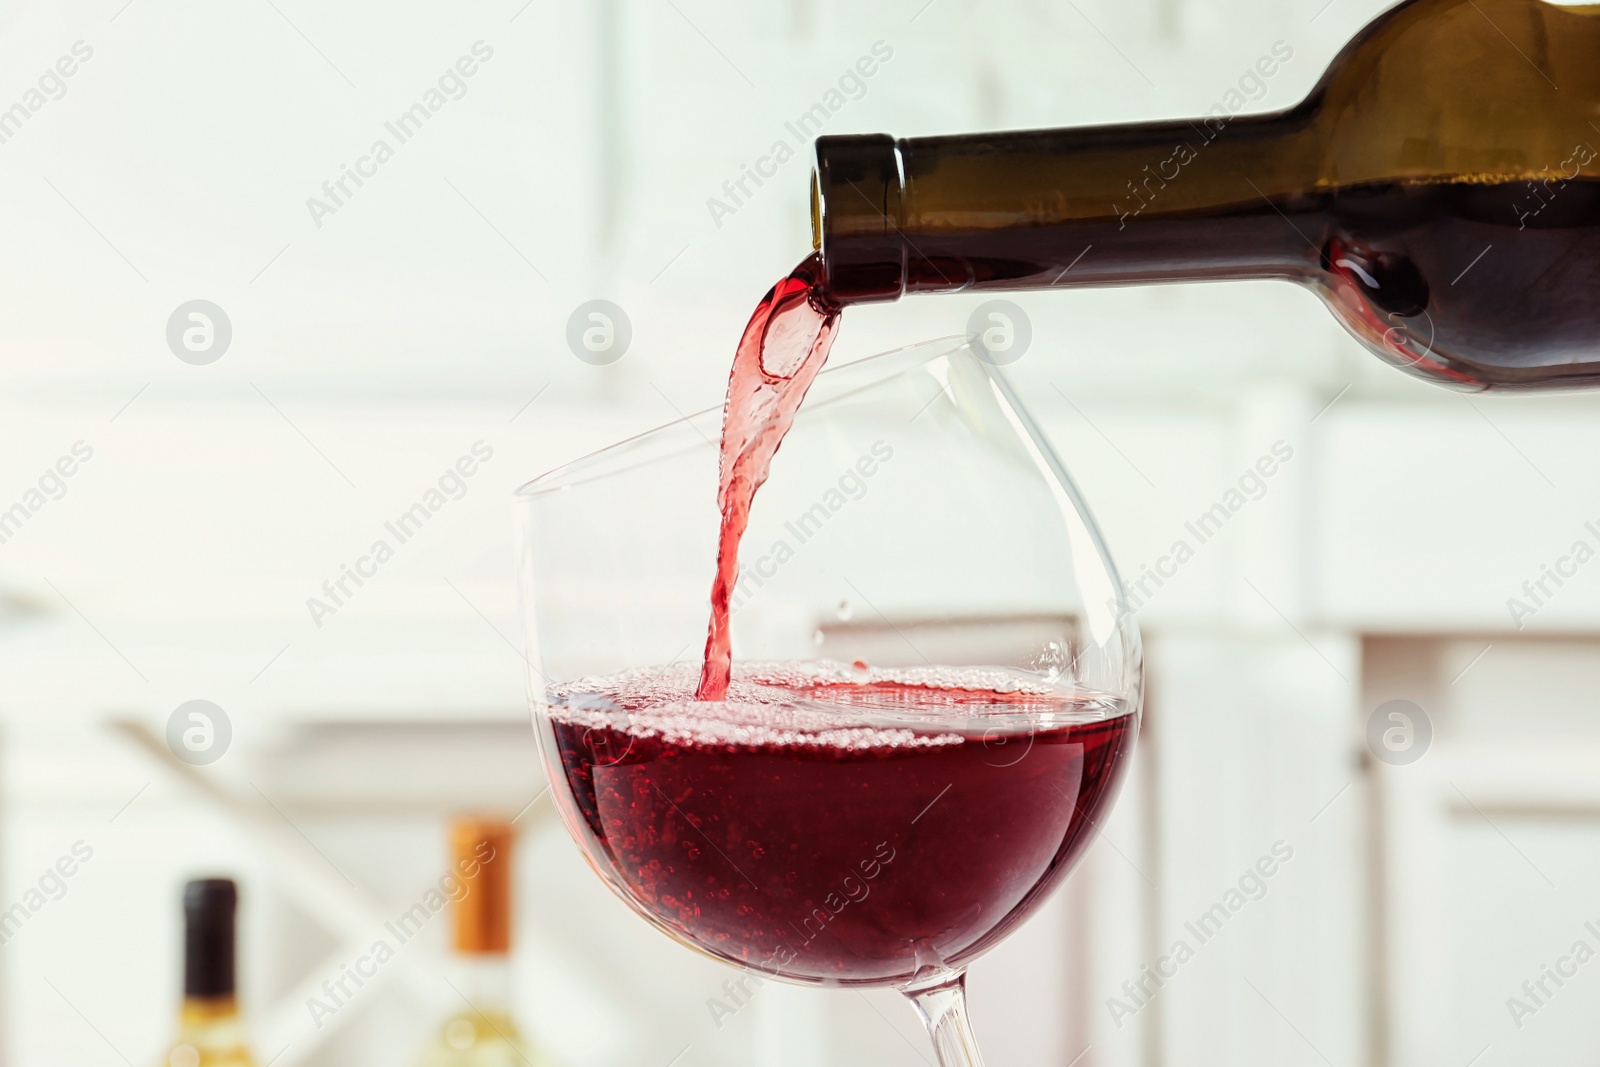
[210, 1033]
[482, 1034]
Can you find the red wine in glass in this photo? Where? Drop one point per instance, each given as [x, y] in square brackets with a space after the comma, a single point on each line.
[836, 831]
[811, 821]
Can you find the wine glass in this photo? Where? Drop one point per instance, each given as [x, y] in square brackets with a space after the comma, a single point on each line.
[936, 684]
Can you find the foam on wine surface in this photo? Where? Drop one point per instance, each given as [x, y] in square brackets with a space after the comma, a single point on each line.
[819, 703]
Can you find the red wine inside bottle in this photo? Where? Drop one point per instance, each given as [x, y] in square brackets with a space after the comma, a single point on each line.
[1469, 283]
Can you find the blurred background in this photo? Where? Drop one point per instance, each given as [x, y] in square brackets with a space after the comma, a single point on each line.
[363, 338]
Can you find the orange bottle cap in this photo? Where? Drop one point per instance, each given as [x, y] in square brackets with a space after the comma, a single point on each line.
[482, 856]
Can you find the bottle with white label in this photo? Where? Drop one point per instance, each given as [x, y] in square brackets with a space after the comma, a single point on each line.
[483, 1033]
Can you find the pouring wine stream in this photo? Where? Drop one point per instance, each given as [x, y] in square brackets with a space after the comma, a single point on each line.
[782, 349]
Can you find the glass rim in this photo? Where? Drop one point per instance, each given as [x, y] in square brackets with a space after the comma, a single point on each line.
[923, 352]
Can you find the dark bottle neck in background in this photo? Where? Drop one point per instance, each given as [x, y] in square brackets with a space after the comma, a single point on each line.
[209, 909]
[1173, 201]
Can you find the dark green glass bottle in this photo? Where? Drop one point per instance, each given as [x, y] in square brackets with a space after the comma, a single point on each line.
[1440, 188]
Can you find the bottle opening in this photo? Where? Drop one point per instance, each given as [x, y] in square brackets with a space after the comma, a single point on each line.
[856, 215]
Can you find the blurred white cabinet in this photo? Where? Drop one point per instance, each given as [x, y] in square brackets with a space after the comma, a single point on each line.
[1489, 852]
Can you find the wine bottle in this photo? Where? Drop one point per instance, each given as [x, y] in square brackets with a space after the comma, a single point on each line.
[210, 1033]
[1439, 188]
[482, 1034]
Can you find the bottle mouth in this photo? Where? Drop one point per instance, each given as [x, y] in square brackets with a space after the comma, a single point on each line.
[857, 217]
[816, 213]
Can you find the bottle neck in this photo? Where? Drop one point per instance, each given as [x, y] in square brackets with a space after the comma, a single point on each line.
[484, 979]
[1111, 205]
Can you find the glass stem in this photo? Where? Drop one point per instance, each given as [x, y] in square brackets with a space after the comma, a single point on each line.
[943, 1007]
